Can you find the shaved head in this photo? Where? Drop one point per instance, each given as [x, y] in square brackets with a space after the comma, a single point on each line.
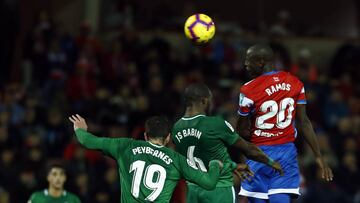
[259, 59]
[198, 98]
[261, 52]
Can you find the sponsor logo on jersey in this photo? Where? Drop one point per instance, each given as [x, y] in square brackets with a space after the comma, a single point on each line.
[260, 133]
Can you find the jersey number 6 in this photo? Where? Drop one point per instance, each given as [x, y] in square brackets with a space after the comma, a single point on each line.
[197, 163]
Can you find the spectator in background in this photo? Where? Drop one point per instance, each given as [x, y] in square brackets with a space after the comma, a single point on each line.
[81, 85]
[304, 68]
[281, 26]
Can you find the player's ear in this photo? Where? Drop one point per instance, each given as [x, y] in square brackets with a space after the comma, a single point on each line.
[205, 101]
[146, 137]
[167, 139]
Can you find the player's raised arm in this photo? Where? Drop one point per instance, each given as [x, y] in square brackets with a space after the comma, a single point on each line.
[206, 180]
[109, 146]
[305, 128]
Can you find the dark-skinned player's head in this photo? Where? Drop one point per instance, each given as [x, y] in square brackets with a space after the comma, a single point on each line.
[199, 97]
[157, 127]
[56, 176]
[259, 59]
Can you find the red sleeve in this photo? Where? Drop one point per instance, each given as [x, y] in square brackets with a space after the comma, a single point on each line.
[301, 98]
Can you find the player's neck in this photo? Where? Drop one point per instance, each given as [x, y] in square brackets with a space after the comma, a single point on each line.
[268, 68]
[193, 111]
[55, 192]
[156, 142]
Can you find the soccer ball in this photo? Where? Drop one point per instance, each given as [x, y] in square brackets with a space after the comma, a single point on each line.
[199, 28]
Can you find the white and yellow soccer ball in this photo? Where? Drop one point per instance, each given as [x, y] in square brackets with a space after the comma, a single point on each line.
[199, 28]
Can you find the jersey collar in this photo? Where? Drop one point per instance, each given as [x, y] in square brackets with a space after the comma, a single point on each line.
[155, 145]
[190, 118]
[46, 192]
[271, 72]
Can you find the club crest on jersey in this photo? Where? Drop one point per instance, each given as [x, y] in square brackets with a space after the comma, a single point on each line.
[276, 79]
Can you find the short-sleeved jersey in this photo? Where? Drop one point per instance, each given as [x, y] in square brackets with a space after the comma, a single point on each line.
[271, 100]
[148, 172]
[44, 197]
[203, 138]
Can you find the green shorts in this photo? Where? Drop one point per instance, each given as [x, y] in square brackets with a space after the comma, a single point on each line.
[196, 194]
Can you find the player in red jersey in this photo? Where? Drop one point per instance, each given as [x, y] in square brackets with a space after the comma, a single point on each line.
[268, 107]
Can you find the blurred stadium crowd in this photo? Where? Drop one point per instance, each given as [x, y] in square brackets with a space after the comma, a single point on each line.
[116, 85]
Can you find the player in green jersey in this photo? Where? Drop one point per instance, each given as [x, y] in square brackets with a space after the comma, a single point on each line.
[148, 171]
[55, 193]
[202, 138]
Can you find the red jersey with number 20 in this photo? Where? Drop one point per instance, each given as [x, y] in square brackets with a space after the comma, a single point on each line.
[271, 100]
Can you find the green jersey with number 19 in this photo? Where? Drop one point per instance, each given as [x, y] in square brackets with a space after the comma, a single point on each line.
[148, 172]
[203, 138]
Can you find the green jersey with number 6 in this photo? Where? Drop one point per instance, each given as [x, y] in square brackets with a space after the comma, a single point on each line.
[148, 172]
[203, 138]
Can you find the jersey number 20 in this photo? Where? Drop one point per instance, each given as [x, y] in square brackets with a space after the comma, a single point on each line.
[150, 171]
[271, 109]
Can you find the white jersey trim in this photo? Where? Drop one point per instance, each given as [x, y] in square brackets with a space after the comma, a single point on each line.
[302, 90]
[190, 118]
[260, 195]
[155, 145]
[284, 190]
[233, 193]
[249, 82]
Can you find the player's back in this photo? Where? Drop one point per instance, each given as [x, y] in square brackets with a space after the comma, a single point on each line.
[149, 172]
[272, 98]
[152, 170]
[203, 138]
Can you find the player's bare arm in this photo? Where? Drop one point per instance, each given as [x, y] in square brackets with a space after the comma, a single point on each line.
[305, 128]
[243, 127]
[253, 152]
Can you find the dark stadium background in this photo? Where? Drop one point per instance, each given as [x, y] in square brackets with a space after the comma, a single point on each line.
[118, 62]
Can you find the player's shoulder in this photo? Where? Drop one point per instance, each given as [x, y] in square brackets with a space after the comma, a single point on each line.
[216, 122]
[212, 119]
[72, 195]
[39, 193]
[290, 77]
[36, 195]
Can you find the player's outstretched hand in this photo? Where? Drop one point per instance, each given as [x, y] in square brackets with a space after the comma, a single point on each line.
[326, 172]
[78, 121]
[278, 168]
[243, 172]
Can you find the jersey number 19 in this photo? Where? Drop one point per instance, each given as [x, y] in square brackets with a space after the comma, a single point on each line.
[148, 179]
